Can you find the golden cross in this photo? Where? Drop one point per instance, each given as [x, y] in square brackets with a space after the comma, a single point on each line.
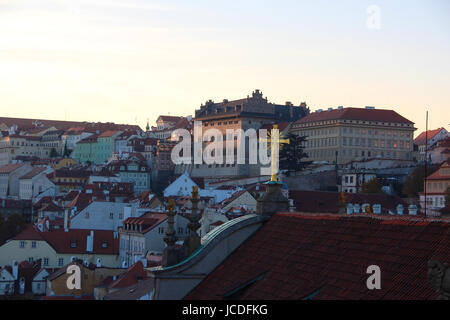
[275, 143]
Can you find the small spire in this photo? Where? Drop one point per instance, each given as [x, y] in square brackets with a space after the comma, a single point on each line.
[148, 126]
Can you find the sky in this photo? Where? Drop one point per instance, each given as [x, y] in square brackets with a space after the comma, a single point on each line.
[126, 61]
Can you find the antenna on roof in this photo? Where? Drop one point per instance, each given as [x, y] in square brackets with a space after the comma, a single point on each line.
[426, 161]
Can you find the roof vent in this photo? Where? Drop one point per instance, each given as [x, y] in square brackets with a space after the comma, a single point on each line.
[370, 108]
[329, 109]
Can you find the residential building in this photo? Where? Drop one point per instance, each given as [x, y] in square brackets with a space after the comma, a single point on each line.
[353, 180]
[440, 151]
[347, 134]
[433, 137]
[133, 170]
[436, 186]
[105, 146]
[10, 179]
[34, 184]
[91, 274]
[98, 215]
[7, 281]
[68, 179]
[56, 248]
[145, 234]
[165, 125]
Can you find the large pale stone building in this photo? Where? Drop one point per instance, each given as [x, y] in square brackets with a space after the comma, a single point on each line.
[248, 113]
[347, 134]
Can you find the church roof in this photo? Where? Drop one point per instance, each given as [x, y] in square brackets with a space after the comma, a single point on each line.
[310, 256]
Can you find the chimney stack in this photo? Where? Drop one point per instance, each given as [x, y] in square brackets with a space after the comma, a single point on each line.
[15, 269]
[90, 242]
[66, 220]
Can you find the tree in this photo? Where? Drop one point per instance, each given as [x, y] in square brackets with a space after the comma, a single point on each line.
[414, 182]
[447, 197]
[372, 186]
[66, 151]
[11, 227]
[291, 155]
[53, 153]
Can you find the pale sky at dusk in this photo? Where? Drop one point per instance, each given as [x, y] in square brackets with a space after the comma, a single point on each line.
[118, 61]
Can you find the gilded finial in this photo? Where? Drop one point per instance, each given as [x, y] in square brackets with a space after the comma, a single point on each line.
[194, 192]
[171, 205]
[342, 197]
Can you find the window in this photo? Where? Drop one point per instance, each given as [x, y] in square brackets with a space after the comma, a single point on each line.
[121, 215]
[45, 261]
[161, 230]
[33, 244]
[30, 260]
[22, 244]
[86, 215]
[111, 215]
[73, 243]
[104, 244]
[60, 262]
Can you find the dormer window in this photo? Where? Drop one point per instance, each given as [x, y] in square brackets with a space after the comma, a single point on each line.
[104, 244]
[73, 243]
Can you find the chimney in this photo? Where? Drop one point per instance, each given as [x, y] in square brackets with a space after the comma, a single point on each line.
[66, 220]
[90, 242]
[15, 269]
[376, 208]
[349, 208]
[412, 210]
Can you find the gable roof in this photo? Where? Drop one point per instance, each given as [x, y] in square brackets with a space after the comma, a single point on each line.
[355, 114]
[420, 139]
[61, 240]
[33, 173]
[304, 256]
[10, 167]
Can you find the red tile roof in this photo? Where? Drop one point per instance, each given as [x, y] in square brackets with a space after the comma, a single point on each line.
[10, 167]
[133, 274]
[328, 202]
[148, 221]
[108, 133]
[28, 123]
[61, 240]
[438, 175]
[51, 207]
[296, 256]
[420, 139]
[355, 114]
[168, 118]
[33, 173]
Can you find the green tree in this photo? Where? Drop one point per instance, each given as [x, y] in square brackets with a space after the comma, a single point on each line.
[11, 227]
[53, 153]
[66, 151]
[292, 155]
[447, 197]
[372, 186]
[414, 182]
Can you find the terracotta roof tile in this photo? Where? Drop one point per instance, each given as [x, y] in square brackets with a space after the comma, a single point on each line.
[355, 114]
[296, 256]
[10, 167]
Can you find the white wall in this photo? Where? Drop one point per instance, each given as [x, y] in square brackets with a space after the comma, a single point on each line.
[99, 216]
